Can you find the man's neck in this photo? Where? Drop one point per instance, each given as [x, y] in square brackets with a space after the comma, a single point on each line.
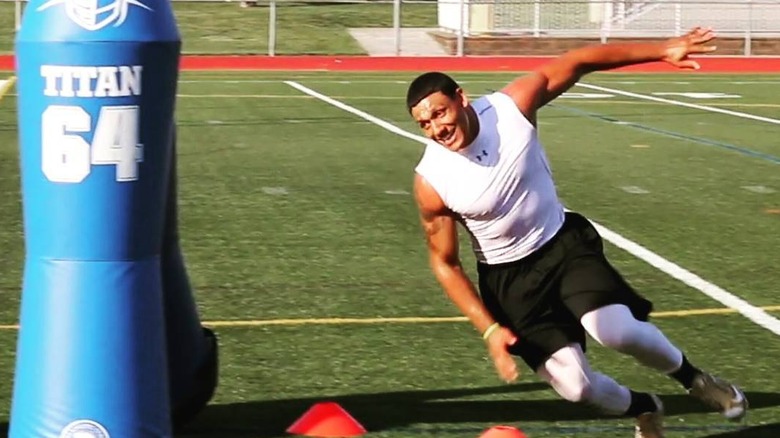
[472, 129]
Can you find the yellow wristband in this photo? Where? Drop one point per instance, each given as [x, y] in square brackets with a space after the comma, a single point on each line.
[489, 331]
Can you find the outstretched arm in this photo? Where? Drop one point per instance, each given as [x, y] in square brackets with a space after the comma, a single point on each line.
[537, 89]
[442, 238]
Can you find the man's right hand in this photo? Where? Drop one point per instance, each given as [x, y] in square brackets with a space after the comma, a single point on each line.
[442, 237]
[697, 41]
[498, 343]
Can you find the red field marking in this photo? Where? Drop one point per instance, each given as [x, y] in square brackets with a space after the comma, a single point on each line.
[483, 64]
[470, 63]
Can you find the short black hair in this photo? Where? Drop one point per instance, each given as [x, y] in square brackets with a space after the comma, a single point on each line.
[428, 83]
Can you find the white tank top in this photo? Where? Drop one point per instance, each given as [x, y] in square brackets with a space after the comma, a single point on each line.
[501, 185]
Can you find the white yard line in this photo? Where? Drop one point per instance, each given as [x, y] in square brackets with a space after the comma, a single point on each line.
[728, 299]
[751, 312]
[680, 103]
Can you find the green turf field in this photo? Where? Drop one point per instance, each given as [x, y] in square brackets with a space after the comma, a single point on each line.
[295, 213]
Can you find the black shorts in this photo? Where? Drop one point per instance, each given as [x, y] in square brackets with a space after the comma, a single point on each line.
[543, 296]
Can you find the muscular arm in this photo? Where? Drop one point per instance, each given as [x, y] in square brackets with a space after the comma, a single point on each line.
[442, 238]
[540, 87]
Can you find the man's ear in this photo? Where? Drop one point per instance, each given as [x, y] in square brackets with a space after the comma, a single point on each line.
[463, 99]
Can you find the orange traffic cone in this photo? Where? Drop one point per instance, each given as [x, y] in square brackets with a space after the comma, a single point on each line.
[326, 419]
[503, 432]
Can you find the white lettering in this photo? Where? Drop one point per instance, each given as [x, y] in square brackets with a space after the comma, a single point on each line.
[85, 75]
[66, 84]
[130, 80]
[92, 81]
[107, 84]
[50, 73]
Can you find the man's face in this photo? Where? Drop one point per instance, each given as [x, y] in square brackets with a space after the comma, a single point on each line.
[444, 119]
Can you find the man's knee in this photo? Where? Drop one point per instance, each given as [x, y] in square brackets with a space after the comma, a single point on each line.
[569, 374]
[575, 390]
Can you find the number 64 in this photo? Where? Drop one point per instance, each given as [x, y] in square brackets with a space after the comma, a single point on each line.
[68, 158]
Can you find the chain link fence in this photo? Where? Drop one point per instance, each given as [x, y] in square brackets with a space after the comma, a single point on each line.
[450, 27]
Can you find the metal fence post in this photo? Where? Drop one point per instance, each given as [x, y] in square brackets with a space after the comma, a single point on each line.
[537, 17]
[272, 28]
[748, 50]
[18, 14]
[461, 27]
[397, 25]
[677, 19]
[606, 23]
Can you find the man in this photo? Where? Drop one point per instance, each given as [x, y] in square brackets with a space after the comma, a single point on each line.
[543, 278]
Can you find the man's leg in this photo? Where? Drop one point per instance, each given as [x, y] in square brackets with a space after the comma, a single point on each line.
[569, 373]
[613, 313]
[615, 327]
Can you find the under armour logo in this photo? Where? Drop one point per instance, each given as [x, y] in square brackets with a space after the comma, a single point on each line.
[483, 154]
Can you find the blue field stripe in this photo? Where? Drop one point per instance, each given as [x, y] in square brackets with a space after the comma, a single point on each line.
[672, 134]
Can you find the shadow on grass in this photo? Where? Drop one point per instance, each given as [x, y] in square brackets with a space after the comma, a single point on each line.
[439, 412]
[429, 410]
[763, 431]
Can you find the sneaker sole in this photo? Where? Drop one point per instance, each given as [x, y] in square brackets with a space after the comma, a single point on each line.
[739, 408]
